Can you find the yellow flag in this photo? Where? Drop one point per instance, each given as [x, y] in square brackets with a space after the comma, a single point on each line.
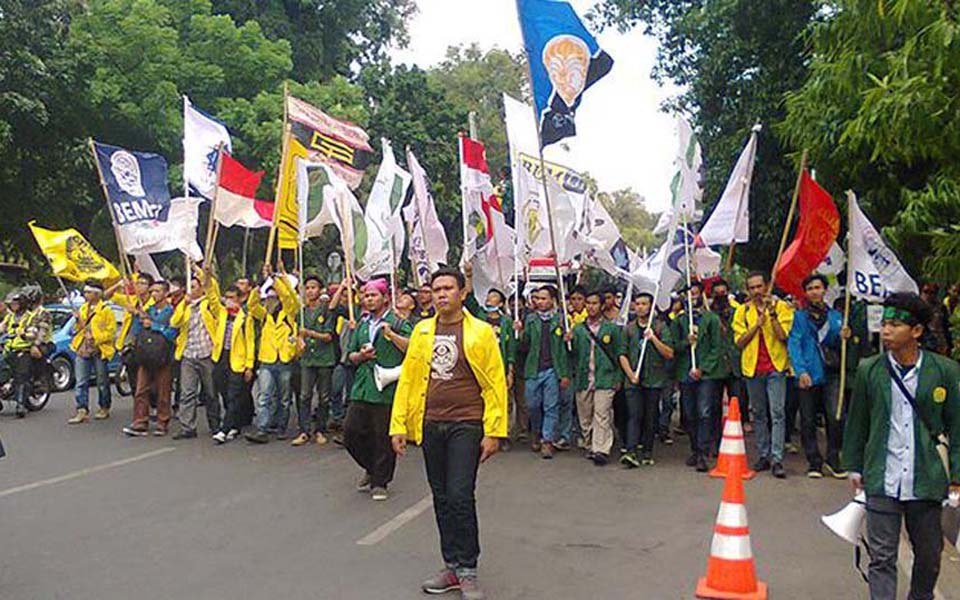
[71, 256]
[287, 216]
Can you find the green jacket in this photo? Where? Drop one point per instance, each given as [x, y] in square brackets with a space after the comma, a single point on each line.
[503, 328]
[709, 347]
[868, 425]
[317, 353]
[388, 356]
[730, 356]
[531, 343]
[607, 373]
[657, 371]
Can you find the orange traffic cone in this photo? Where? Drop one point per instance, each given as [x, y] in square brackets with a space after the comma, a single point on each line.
[733, 452]
[730, 570]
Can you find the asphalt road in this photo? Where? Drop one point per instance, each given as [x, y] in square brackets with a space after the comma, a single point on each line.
[90, 514]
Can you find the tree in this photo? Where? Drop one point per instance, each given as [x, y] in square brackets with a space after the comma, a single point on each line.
[627, 210]
[735, 59]
[879, 111]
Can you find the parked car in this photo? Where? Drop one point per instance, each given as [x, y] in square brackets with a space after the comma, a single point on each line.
[62, 359]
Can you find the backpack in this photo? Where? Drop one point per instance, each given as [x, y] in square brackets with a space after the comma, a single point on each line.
[151, 349]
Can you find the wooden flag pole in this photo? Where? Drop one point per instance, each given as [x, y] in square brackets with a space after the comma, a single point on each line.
[211, 229]
[786, 227]
[124, 268]
[246, 245]
[846, 316]
[284, 149]
[730, 252]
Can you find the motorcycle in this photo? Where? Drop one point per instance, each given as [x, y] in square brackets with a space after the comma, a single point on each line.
[42, 386]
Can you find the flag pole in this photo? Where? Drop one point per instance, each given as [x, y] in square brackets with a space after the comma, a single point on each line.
[284, 148]
[846, 315]
[124, 268]
[463, 203]
[786, 227]
[393, 273]
[211, 229]
[730, 252]
[347, 256]
[517, 240]
[690, 324]
[246, 244]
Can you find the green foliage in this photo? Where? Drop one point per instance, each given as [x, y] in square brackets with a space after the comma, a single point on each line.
[628, 212]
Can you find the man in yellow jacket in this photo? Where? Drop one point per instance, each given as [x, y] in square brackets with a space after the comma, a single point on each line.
[452, 399]
[93, 340]
[233, 373]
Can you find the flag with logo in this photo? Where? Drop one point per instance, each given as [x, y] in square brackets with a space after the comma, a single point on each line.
[237, 203]
[340, 144]
[730, 220]
[428, 240]
[202, 135]
[604, 248]
[325, 199]
[533, 226]
[71, 256]
[564, 60]
[874, 271]
[383, 219]
[816, 232]
[286, 212]
[687, 184]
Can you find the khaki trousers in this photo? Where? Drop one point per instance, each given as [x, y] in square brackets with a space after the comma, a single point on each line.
[595, 412]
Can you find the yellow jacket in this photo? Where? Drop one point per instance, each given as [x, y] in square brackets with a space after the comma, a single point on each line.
[128, 302]
[181, 320]
[278, 335]
[242, 342]
[744, 318]
[482, 350]
[102, 324]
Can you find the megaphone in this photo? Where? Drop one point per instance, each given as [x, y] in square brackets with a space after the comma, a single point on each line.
[847, 521]
[383, 377]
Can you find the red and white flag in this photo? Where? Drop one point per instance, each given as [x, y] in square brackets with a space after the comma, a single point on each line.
[236, 196]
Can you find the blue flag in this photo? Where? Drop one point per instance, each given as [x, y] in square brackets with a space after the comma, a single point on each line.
[136, 184]
[564, 60]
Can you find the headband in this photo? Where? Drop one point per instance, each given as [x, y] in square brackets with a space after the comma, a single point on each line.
[892, 313]
[92, 288]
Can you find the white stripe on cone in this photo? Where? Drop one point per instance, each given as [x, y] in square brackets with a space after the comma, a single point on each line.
[733, 428]
[732, 515]
[732, 446]
[730, 547]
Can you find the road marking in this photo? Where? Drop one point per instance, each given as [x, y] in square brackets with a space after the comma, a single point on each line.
[380, 533]
[84, 472]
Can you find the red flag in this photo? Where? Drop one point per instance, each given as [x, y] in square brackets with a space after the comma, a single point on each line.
[817, 231]
[236, 196]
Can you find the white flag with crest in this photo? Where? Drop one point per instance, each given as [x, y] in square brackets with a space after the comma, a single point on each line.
[730, 220]
[873, 271]
[202, 134]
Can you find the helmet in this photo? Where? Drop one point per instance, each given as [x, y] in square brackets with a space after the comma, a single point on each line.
[32, 294]
[14, 296]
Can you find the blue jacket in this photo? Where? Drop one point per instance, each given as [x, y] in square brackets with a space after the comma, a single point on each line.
[804, 343]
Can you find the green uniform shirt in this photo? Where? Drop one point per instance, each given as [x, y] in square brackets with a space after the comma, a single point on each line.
[709, 347]
[657, 371]
[606, 356]
[730, 354]
[868, 425]
[388, 356]
[531, 342]
[318, 353]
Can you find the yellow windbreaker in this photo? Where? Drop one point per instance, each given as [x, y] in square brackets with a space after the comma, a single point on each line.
[745, 318]
[102, 324]
[278, 335]
[128, 302]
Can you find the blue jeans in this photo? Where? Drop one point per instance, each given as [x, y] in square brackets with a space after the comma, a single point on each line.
[84, 368]
[768, 398]
[273, 403]
[543, 400]
[565, 416]
[697, 401]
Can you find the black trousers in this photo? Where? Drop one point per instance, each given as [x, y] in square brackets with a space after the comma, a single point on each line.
[366, 436]
[643, 408]
[23, 373]
[235, 393]
[451, 455]
[813, 400]
[734, 390]
[884, 516]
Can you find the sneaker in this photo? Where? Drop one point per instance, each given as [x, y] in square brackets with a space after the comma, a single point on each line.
[600, 459]
[21, 412]
[778, 471]
[701, 464]
[338, 439]
[102, 414]
[546, 450]
[379, 494]
[762, 464]
[647, 461]
[505, 445]
[814, 473]
[299, 440]
[835, 472]
[82, 416]
[666, 439]
[320, 439]
[220, 437]
[691, 460]
[364, 484]
[469, 589]
[132, 431]
[257, 437]
[792, 448]
[441, 583]
[582, 443]
[160, 432]
[184, 434]
[233, 434]
[629, 460]
[588, 455]
[561, 445]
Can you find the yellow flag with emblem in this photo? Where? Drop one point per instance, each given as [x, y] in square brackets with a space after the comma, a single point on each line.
[71, 256]
[287, 217]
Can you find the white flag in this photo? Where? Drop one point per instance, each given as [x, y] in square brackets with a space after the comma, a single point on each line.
[873, 270]
[428, 241]
[687, 185]
[382, 216]
[730, 220]
[178, 232]
[603, 246]
[202, 135]
[534, 225]
[521, 127]
[324, 198]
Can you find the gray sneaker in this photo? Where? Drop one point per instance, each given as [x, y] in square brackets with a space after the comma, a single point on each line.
[364, 484]
[379, 494]
[441, 583]
[470, 589]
